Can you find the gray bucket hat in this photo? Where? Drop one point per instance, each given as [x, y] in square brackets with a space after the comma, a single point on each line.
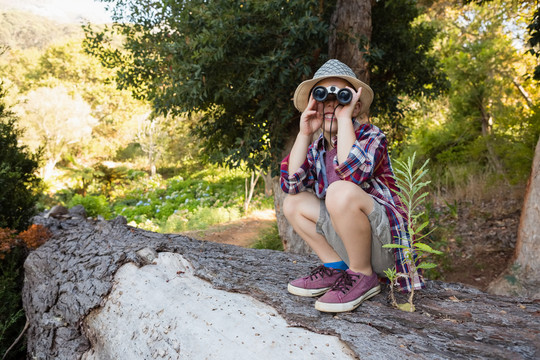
[332, 68]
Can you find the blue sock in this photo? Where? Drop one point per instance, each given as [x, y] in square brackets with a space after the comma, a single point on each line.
[340, 265]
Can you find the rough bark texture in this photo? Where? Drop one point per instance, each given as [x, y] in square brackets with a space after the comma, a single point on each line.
[72, 274]
[351, 32]
[292, 242]
[523, 275]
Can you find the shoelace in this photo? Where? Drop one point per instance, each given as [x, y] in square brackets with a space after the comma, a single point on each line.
[322, 271]
[344, 283]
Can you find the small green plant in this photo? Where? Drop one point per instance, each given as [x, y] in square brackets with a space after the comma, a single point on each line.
[93, 204]
[452, 208]
[391, 274]
[269, 239]
[410, 183]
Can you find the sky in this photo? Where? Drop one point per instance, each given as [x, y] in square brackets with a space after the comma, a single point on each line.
[64, 11]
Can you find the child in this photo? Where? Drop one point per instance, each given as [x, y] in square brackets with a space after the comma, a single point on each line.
[342, 195]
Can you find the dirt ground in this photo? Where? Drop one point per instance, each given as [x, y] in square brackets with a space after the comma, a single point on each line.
[478, 240]
[243, 232]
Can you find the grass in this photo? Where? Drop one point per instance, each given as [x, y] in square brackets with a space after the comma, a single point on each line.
[269, 239]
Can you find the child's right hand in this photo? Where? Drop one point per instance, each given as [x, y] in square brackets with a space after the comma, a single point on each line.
[312, 117]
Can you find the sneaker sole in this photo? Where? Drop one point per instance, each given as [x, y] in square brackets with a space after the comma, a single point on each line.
[348, 306]
[306, 292]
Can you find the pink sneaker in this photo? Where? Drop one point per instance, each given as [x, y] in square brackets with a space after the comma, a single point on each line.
[316, 283]
[351, 290]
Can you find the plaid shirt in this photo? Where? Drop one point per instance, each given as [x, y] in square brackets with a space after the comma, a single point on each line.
[368, 165]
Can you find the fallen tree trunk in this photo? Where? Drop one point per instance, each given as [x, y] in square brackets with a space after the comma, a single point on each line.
[79, 304]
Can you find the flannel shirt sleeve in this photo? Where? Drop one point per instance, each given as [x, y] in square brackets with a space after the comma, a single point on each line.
[364, 156]
[298, 181]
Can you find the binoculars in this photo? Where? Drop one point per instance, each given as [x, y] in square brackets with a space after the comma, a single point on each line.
[321, 93]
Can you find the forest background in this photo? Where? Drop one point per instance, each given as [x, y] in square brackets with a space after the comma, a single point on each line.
[100, 107]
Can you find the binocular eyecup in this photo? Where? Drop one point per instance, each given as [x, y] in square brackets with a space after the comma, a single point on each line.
[321, 94]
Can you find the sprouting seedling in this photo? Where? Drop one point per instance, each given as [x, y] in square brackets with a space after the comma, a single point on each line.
[391, 274]
[411, 184]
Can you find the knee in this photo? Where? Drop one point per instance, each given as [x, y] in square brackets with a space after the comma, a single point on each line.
[301, 205]
[290, 207]
[337, 198]
[344, 196]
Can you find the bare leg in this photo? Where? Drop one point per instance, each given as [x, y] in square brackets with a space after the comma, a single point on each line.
[349, 207]
[302, 212]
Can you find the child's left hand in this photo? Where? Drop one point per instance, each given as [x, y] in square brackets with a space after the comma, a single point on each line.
[351, 109]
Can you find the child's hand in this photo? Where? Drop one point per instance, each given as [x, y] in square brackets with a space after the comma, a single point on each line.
[351, 109]
[312, 117]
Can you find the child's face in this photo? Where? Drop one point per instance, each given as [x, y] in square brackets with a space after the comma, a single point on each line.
[330, 123]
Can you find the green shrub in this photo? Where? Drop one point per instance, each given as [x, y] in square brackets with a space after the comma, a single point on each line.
[269, 239]
[19, 186]
[93, 204]
[163, 202]
[12, 317]
[175, 223]
[19, 193]
[129, 152]
[203, 217]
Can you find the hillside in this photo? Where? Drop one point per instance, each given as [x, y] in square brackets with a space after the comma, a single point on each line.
[22, 30]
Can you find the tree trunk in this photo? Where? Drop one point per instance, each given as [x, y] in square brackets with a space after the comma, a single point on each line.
[523, 275]
[268, 183]
[351, 34]
[292, 242]
[105, 290]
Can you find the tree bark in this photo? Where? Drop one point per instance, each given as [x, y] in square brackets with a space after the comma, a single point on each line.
[72, 279]
[523, 275]
[292, 242]
[351, 34]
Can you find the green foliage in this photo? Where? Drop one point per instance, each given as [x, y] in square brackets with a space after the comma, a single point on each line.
[269, 239]
[485, 131]
[14, 247]
[183, 204]
[411, 184]
[12, 317]
[19, 186]
[129, 152]
[203, 217]
[534, 40]
[22, 30]
[490, 119]
[239, 63]
[94, 205]
[208, 197]
[55, 125]
[401, 61]
[106, 176]
[51, 80]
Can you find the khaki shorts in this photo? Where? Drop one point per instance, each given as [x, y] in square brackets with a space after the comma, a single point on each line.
[381, 258]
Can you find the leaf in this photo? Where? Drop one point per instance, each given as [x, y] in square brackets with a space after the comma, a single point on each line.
[427, 248]
[426, 265]
[421, 227]
[391, 274]
[406, 307]
[395, 246]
